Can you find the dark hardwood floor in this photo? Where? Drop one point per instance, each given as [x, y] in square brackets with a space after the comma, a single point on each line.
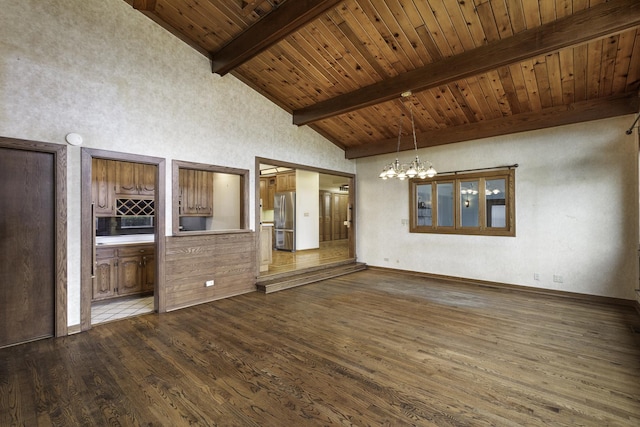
[370, 348]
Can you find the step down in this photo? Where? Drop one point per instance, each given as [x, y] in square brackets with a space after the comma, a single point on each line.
[280, 282]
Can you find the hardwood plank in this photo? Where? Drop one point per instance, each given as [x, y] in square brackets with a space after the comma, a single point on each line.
[379, 348]
[599, 21]
[275, 26]
[552, 116]
[623, 61]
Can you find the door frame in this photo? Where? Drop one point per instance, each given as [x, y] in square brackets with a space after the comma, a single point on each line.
[351, 208]
[59, 152]
[86, 244]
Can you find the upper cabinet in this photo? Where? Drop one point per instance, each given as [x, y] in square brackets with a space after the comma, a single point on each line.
[135, 179]
[196, 192]
[103, 182]
[286, 181]
[268, 191]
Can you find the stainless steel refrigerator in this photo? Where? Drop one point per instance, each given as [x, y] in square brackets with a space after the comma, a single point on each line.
[284, 218]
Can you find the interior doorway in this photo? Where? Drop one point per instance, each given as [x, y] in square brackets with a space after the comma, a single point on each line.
[324, 230]
[123, 229]
[32, 241]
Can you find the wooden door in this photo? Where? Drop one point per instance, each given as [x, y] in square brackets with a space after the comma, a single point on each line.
[325, 217]
[339, 213]
[27, 246]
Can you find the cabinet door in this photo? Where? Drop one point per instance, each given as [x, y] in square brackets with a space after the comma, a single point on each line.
[282, 183]
[126, 183]
[187, 191]
[263, 192]
[204, 192]
[146, 179]
[196, 192]
[148, 273]
[129, 275]
[271, 193]
[104, 282]
[136, 179]
[103, 176]
[291, 181]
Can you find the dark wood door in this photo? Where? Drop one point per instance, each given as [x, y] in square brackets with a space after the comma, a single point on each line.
[27, 246]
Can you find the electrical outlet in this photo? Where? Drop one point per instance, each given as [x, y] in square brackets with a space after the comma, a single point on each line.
[208, 283]
[536, 276]
[557, 279]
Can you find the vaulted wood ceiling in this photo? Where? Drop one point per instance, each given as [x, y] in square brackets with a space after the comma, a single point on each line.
[476, 68]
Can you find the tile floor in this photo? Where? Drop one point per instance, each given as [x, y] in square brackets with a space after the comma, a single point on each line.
[106, 311]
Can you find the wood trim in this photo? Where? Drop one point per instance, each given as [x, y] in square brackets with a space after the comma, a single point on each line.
[59, 152]
[578, 112]
[589, 24]
[286, 19]
[352, 196]
[244, 174]
[516, 288]
[86, 241]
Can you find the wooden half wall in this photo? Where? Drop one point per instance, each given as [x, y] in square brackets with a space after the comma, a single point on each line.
[227, 259]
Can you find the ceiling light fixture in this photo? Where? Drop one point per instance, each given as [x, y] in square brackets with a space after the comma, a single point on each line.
[408, 170]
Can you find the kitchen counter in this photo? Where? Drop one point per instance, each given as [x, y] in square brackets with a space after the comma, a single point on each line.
[132, 239]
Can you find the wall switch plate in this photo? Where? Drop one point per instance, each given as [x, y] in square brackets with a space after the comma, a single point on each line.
[536, 276]
[208, 283]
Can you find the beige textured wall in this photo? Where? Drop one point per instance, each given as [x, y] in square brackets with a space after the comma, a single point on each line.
[105, 71]
[576, 212]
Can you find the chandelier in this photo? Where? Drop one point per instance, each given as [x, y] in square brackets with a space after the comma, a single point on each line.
[408, 170]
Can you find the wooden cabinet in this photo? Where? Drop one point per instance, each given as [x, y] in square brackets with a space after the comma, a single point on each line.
[103, 182]
[123, 271]
[196, 192]
[325, 218]
[333, 214]
[267, 192]
[135, 179]
[339, 212]
[104, 282]
[112, 180]
[286, 181]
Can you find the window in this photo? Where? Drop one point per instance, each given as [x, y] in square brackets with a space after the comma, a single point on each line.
[472, 203]
[208, 198]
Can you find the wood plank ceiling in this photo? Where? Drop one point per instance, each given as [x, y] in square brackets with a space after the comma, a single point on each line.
[476, 68]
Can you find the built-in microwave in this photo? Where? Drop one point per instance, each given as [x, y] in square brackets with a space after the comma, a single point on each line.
[136, 222]
[118, 225]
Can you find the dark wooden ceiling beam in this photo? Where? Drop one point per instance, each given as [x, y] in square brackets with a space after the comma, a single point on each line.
[555, 116]
[589, 24]
[278, 24]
